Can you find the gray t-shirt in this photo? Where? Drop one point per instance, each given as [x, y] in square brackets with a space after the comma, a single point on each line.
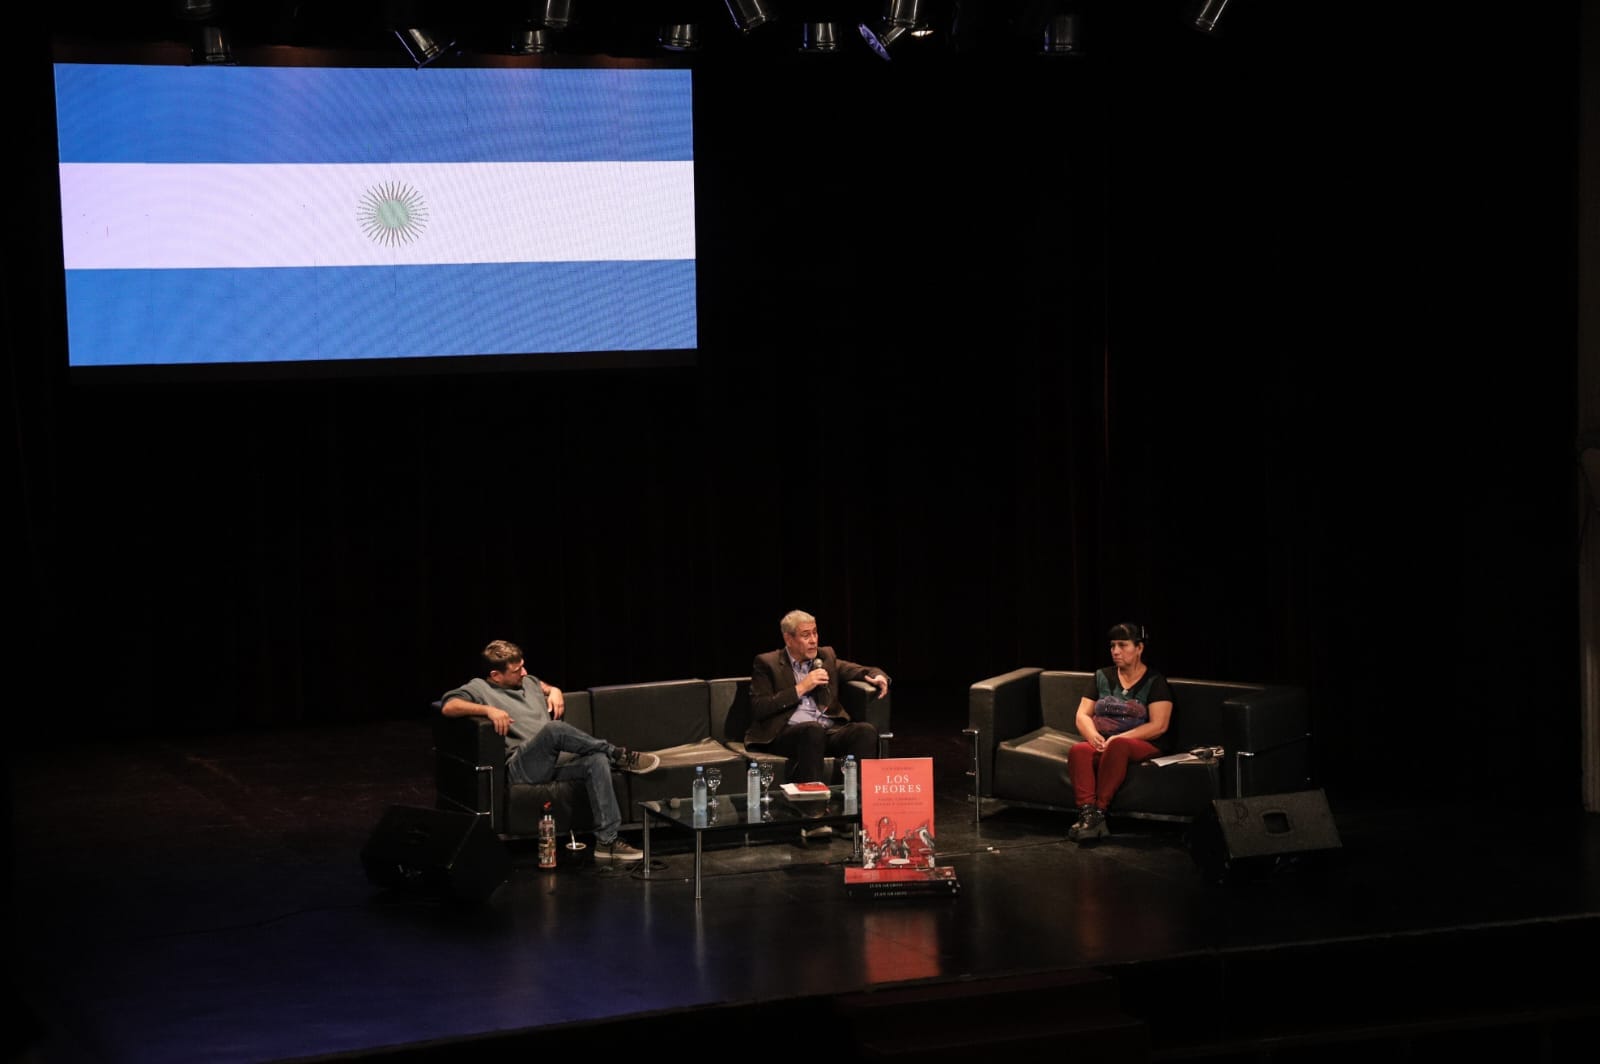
[529, 708]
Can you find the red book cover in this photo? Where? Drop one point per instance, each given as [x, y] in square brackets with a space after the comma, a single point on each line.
[897, 812]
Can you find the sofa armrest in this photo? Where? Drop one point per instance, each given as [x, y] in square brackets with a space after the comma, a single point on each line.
[999, 708]
[860, 700]
[468, 739]
[469, 766]
[1255, 721]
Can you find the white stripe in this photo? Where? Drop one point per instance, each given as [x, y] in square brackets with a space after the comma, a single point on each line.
[184, 216]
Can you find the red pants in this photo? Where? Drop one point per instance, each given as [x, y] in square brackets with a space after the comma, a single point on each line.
[1097, 774]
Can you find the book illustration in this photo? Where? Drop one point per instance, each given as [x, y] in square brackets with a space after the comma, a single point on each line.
[897, 813]
[885, 847]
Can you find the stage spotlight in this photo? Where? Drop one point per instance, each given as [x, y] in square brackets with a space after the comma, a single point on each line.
[552, 14]
[819, 38]
[209, 40]
[1206, 14]
[680, 37]
[1061, 35]
[214, 45]
[749, 15]
[900, 18]
[534, 40]
[421, 45]
[195, 10]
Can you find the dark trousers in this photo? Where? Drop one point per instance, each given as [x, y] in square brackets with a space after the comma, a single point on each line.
[806, 745]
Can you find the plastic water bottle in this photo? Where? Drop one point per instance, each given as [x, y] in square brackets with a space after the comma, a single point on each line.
[698, 792]
[547, 839]
[852, 780]
[752, 791]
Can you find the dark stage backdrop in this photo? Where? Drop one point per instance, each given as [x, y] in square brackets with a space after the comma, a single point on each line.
[1265, 342]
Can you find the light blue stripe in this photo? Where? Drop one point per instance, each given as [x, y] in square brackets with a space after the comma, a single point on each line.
[159, 317]
[227, 114]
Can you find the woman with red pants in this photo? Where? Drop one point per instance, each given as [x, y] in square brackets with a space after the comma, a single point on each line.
[1119, 726]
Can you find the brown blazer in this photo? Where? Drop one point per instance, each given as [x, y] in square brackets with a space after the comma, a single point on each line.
[772, 697]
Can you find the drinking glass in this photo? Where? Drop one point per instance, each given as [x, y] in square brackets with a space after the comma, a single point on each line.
[766, 769]
[713, 781]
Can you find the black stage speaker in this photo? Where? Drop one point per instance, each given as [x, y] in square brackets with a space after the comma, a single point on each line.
[431, 851]
[1264, 834]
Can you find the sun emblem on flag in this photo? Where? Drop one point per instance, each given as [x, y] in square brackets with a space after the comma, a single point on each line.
[392, 213]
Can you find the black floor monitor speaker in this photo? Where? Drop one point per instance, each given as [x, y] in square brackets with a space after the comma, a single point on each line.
[455, 856]
[1264, 834]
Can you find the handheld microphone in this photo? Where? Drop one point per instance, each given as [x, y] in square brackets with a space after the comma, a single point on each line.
[820, 692]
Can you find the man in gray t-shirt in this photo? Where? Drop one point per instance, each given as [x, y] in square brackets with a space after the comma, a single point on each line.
[541, 747]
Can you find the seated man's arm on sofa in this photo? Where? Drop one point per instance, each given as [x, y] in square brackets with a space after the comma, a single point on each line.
[459, 703]
[849, 671]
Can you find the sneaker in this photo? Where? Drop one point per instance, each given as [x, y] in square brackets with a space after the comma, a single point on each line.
[1091, 824]
[821, 831]
[616, 850]
[637, 762]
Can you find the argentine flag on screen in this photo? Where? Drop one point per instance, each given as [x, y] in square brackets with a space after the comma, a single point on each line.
[225, 214]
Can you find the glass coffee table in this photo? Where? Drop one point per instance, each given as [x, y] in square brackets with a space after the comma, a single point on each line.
[731, 815]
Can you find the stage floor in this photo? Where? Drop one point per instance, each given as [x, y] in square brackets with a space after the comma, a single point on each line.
[203, 900]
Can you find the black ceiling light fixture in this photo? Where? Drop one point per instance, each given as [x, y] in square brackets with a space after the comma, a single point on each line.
[1206, 15]
[546, 20]
[901, 19]
[750, 15]
[214, 46]
[1061, 35]
[819, 38]
[552, 14]
[679, 37]
[210, 39]
[422, 45]
[406, 20]
[543, 25]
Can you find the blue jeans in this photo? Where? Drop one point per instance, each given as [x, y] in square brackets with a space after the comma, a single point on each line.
[539, 760]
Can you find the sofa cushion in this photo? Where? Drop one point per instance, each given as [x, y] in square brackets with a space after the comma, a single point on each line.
[1182, 791]
[672, 778]
[1198, 716]
[652, 716]
[1034, 767]
[1059, 696]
